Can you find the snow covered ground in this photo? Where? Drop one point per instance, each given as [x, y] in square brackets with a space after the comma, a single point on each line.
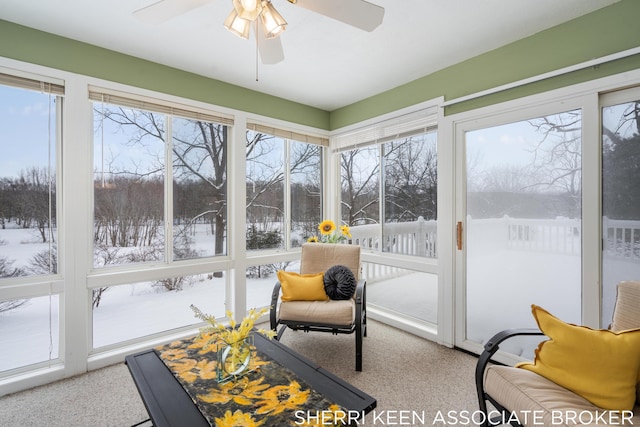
[499, 298]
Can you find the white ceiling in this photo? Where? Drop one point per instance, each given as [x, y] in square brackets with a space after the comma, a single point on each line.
[327, 64]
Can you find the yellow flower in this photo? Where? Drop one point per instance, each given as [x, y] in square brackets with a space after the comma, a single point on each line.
[329, 234]
[174, 354]
[234, 333]
[204, 369]
[183, 368]
[282, 398]
[242, 392]
[201, 342]
[345, 231]
[238, 418]
[327, 227]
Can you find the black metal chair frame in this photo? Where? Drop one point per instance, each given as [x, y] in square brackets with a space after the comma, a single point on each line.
[359, 326]
[490, 348]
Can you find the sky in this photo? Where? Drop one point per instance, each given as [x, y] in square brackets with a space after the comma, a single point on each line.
[510, 144]
[24, 129]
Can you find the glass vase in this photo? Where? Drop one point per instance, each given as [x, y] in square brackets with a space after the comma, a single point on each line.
[234, 359]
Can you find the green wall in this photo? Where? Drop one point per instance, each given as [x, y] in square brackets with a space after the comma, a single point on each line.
[53, 51]
[606, 31]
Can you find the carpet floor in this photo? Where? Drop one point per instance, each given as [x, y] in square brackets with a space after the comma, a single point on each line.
[415, 381]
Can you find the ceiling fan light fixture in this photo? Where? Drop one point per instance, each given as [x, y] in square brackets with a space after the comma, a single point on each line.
[248, 9]
[273, 23]
[238, 26]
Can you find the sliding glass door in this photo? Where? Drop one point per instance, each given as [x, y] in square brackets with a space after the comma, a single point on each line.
[520, 229]
[620, 193]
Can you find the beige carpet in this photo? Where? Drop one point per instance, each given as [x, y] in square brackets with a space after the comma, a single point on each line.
[412, 379]
[403, 372]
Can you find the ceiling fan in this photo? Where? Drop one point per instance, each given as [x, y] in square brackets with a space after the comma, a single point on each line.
[268, 23]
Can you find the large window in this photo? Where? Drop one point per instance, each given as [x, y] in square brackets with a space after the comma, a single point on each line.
[401, 173]
[160, 197]
[30, 117]
[129, 205]
[410, 195]
[134, 160]
[284, 189]
[388, 184]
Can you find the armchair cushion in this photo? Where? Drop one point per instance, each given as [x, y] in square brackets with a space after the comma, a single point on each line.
[337, 313]
[522, 391]
[317, 257]
[600, 365]
[339, 282]
[302, 287]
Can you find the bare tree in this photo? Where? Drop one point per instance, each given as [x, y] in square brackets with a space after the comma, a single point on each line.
[266, 163]
[199, 152]
[44, 262]
[265, 179]
[30, 199]
[506, 178]
[410, 180]
[557, 163]
[202, 155]
[360, 195]
[12, 304]
[620, 160]
[7, 269]
[627, 126]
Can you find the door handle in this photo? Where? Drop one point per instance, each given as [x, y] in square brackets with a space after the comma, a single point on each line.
[459, 235]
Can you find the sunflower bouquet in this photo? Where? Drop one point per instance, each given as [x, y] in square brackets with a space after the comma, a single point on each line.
[329, 233]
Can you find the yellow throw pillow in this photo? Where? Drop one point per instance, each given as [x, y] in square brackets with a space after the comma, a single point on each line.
[302, 287]
[600, 365]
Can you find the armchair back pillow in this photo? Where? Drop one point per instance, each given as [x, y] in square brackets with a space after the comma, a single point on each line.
[339, 282]
[302, 287]
[600, 365]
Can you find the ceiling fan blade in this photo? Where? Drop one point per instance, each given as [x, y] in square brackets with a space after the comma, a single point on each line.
[358, 13]
[163, 10]
[270, 50]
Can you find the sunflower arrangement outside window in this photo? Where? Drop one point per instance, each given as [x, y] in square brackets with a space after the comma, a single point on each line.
[329, 233]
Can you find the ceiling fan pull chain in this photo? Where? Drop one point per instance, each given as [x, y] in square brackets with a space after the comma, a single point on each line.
[256, 24]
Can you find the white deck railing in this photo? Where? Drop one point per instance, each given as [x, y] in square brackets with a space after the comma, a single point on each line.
[561, 236]
[621, 238]
[405, 238]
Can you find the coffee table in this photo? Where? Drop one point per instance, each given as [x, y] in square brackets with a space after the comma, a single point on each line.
[168, 404]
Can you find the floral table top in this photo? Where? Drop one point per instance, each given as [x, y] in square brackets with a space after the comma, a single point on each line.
[269, 395]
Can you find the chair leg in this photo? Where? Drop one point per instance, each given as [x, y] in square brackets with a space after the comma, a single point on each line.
[280, 332]
[359, 335]
[364, 323]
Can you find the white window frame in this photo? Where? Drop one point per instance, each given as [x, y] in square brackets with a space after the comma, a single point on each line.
[50, 284]
[288, 135]
[453, 127]
[422, 117]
